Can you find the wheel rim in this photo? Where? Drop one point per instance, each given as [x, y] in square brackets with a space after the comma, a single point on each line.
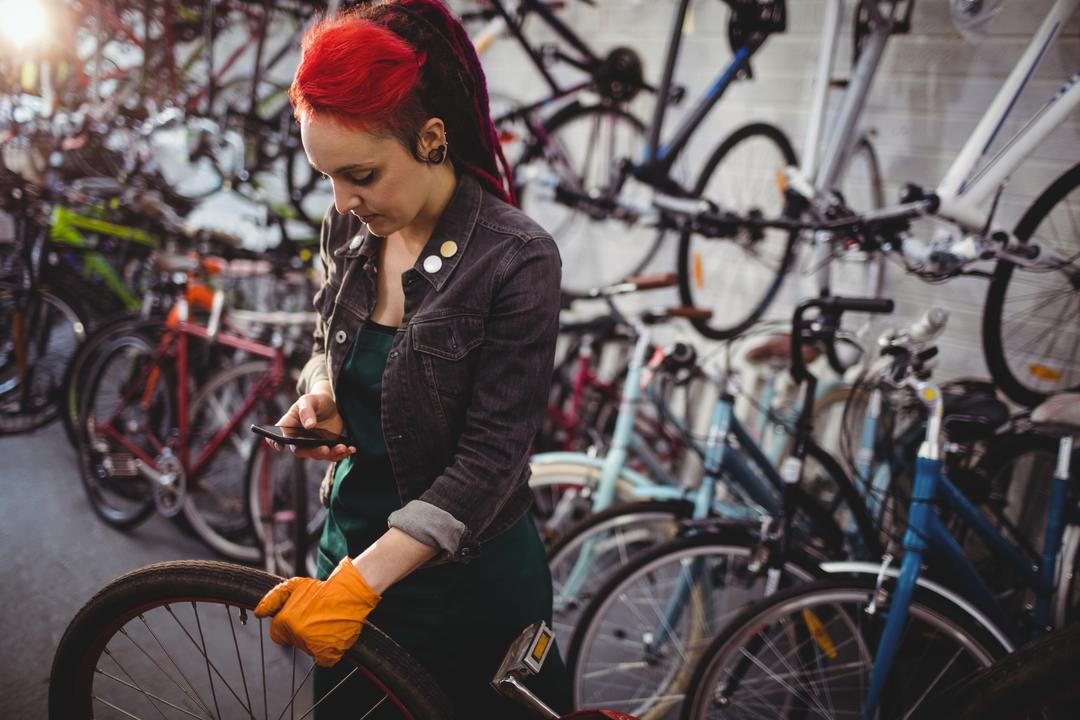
[737, 278]
[118, 402]
[1040, 329]
[22, 406]
[1031, 331]
[583, 152]
[271, 517]
[612, 666]
[812, 655]
[202, 657]
[216, 504]
[609, 546]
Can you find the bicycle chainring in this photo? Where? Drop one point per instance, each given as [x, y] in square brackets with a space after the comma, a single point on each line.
[171, 492]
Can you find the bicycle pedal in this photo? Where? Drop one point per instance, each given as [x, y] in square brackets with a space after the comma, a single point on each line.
[525, 658]
[527, 654]
[120, 465]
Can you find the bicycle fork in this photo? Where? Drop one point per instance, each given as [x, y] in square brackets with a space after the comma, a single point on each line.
[920, 516]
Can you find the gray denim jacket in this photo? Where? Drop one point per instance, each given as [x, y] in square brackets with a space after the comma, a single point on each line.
[468, 374]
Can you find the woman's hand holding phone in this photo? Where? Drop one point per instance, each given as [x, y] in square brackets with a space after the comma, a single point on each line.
[316, 409]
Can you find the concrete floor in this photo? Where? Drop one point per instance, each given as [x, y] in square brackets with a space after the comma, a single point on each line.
[60, 554]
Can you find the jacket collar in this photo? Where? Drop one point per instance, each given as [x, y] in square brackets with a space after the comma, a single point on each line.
[456, 224]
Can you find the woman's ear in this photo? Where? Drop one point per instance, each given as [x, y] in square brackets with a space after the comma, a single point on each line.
[432, 136]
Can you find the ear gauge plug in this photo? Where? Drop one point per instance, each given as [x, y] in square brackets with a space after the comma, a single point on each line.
[435, 156]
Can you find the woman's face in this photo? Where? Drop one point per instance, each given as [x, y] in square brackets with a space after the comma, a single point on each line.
[374, 177]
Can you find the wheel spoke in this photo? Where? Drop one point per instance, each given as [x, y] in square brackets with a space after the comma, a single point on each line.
[291, 705]
[239, 660]
[331, 692]
[198, 700]
[149, 694]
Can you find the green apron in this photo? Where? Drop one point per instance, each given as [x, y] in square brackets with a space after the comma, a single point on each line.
[456, 619]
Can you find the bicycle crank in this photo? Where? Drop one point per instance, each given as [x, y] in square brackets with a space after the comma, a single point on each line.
[168, 480]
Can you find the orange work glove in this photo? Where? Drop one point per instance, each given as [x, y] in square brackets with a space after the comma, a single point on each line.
[321, 617]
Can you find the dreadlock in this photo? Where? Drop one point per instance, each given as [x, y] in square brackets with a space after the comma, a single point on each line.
[389, 68]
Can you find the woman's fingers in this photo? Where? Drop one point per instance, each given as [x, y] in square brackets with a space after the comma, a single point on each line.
[306, 412]
[323, 452]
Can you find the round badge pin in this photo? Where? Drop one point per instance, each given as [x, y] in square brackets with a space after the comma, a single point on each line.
[432, 264]
[448, 249]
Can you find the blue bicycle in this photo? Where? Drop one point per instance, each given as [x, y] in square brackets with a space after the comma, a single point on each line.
[881, 641]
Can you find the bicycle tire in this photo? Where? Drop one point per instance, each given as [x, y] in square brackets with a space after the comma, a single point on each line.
[216, 506]
[624, 532]
[137, 594]
[1029, 388]
[101, 463]
[65, 321]
[1037, 680]
[78, 370]
[550, 482]
[731, 550]
[691, 264]
[297, 539]
[606, 256]
[864, 169]
[801, 609]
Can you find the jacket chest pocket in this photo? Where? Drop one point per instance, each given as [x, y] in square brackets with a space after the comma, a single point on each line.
[442, 346]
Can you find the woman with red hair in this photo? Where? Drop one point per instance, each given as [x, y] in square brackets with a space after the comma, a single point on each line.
[433, 351]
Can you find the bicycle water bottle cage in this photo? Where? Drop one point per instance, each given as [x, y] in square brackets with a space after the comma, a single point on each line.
[752, 21]
[620, 76]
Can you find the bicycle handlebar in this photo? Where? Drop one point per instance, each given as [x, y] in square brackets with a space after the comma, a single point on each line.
[830, 309]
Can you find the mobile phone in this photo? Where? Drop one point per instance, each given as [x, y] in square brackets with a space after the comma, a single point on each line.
[300, 437]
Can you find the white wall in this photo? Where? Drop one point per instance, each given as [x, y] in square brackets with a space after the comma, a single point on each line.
[930, 91]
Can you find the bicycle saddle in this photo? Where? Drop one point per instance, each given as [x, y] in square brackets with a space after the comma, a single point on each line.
[972, 410]
[776, 350]
[1060, 414]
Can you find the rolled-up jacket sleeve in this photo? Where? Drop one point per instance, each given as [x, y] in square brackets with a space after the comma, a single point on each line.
[314, 369]
[509, 395]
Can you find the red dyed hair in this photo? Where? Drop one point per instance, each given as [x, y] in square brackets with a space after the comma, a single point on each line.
[391, 67]
[354, 71]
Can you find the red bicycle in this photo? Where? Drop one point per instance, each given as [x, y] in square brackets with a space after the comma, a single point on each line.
[160, 432]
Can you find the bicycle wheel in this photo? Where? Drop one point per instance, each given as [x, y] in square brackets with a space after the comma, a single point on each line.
[1031, 319]
[288, 490]
[128, 413]
[1019, 468]
[639, 639]
[580, 147]
[1036, 681]
[591, 550]
[177, 639]
[861, 184]
[561, 495]
[738, 278]
[82, 363]
[40, 331]
[216, 504]
[809, 650]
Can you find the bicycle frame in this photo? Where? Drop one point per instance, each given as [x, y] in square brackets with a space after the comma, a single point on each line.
[65, 227]
[966, 188]
[962, 194]
[927, 532]
[588, 61]
[659, 159]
